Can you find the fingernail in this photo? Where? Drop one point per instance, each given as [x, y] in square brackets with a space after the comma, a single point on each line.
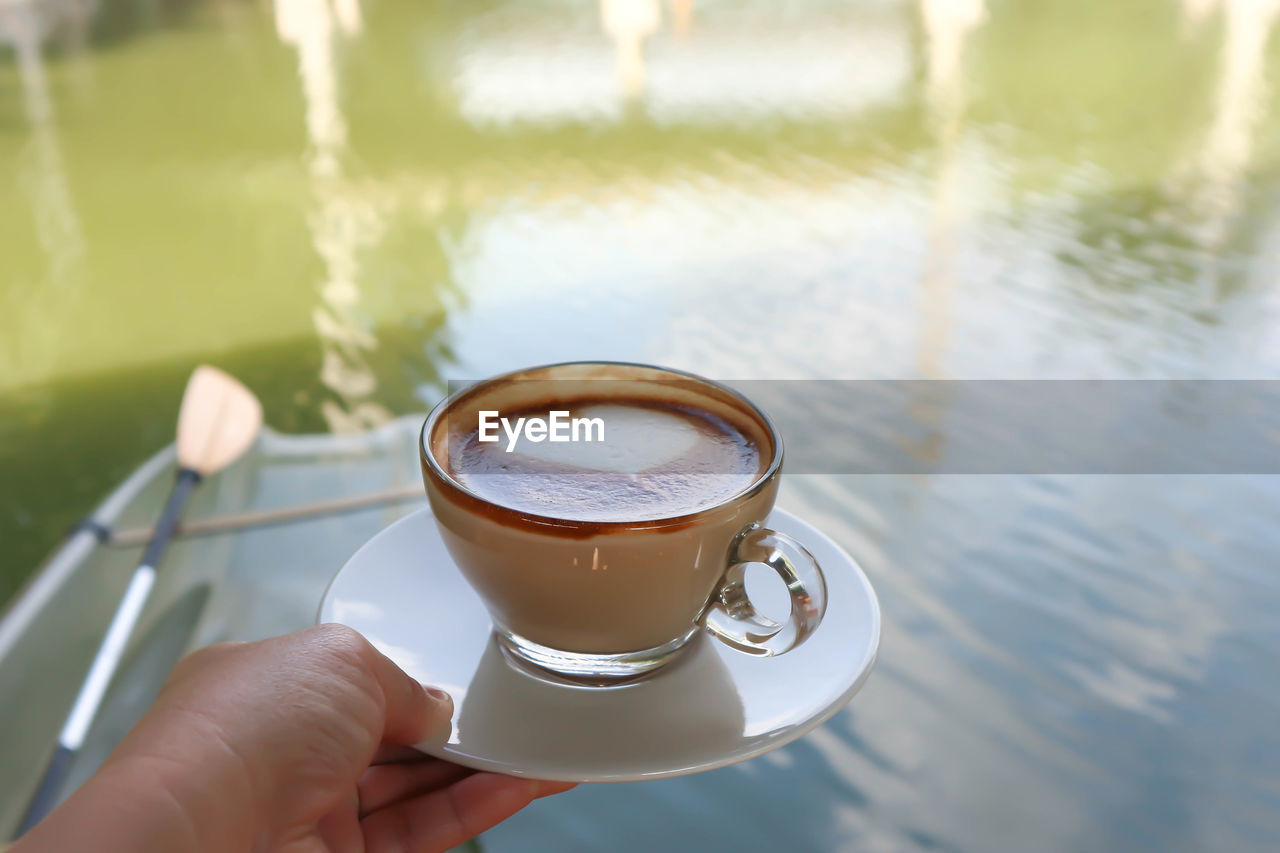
[437, 694]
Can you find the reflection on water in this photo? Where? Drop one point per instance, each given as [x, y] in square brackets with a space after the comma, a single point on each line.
[947, 25]
[1221, 163]
[340, 223]
[345, 202]
[41, 174]
[741, 71]
[26, 25]
[629, 23]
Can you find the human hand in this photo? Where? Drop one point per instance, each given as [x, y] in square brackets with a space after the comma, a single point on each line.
[293, 744]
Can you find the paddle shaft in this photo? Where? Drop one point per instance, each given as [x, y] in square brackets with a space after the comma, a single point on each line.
[233, 522]
[107, 659]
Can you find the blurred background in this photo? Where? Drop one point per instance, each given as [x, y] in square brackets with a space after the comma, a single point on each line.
[349, 203]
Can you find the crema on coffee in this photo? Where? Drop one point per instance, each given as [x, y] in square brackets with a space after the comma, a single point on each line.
[645, 460]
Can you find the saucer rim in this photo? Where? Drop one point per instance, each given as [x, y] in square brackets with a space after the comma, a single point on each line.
[763, 746]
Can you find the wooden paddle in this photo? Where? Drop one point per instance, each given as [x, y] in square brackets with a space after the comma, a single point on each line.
[218, 421]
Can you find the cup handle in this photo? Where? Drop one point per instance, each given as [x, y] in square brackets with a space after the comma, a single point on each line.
[732, 617]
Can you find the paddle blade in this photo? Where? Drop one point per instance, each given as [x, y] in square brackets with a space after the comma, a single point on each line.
[218, 421]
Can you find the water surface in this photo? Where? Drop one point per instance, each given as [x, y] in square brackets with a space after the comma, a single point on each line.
[347, 204]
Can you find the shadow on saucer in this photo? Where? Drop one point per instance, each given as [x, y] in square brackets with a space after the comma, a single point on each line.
[670, 720]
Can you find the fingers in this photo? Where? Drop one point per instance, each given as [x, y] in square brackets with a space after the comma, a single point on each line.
[339, 830]
[546, 789]
[446, 818]
[412, 712]
[397, 753]
[383, 785]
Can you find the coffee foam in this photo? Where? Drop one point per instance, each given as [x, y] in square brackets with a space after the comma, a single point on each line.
[637, 440]
[656, 461]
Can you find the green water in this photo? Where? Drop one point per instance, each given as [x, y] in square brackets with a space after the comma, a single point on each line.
[194, 181]
[347, 205]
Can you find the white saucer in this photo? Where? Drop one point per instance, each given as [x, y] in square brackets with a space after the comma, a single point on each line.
[711, 707]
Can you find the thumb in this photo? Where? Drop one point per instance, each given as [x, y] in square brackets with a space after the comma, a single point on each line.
[439, 717]
[413, 712]
[426, 719]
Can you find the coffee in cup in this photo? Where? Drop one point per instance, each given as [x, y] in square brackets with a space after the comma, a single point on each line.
[606, 512]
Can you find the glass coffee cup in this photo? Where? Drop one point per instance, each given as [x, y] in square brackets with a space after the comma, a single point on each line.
[599, 556]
